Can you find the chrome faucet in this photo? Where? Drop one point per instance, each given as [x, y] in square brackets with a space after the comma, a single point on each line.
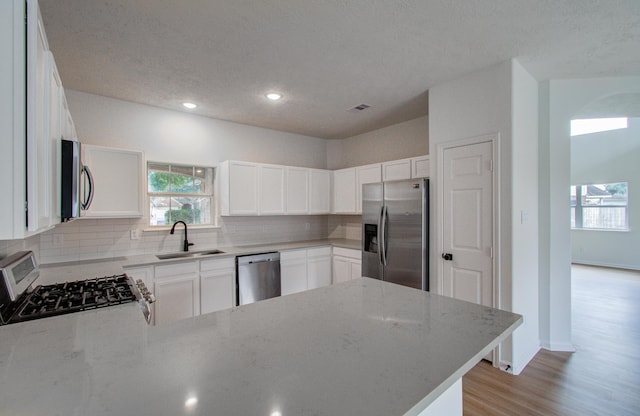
[186, 244]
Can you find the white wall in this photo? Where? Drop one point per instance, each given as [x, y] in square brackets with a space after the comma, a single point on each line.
[524, 221]
[479, 104]
[560, 101]
[606, 157]
[179, 137]
[399, 141]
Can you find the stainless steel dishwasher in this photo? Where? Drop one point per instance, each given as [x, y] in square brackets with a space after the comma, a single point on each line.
[258, 277]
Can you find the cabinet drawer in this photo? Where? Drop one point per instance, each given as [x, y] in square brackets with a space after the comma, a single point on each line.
[217, 264]
[171, 270]
[346, 252]
[293, 255]
[319, 252]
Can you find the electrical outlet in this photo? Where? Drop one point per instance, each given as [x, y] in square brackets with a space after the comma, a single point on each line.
[135, 234]
[307, 226]
[58, 239]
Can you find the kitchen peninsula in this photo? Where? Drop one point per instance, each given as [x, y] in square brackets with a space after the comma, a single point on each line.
[364, 347]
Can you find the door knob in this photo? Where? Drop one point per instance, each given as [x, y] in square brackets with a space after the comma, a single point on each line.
[447, 256]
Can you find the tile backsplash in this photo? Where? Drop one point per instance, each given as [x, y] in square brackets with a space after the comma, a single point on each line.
[93, 239]
[86, 239]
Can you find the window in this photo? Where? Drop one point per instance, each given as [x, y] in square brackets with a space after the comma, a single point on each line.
[600, 206]
[597, 125]
[180, 193]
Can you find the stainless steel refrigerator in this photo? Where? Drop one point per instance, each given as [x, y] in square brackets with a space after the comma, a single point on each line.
[395, 232]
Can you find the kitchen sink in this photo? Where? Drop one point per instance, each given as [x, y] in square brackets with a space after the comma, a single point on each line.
[184, 254]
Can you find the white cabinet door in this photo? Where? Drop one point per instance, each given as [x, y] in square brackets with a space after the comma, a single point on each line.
[344, 191]
[319, 191]
[177, 292]
[272, 190]
[366, 174]
[293, 271]
[39, 168]
[118, 182]
[347, 264]
[217, 284]
[341, 272]
[420, 167]
[318, 267]
[355, 268]
[396, 170]
[243, 188]
[297, 190]
[55, 92]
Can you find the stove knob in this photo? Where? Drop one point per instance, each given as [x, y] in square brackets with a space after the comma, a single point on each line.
[149, 297]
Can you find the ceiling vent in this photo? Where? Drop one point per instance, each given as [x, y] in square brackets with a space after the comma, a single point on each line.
[359, 108]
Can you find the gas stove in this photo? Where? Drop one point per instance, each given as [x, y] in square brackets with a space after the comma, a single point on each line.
[62, 298]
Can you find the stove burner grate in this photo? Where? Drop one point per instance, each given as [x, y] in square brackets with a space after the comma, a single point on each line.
[61, 298]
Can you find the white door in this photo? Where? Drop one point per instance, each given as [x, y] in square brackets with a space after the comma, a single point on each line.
[468, 223]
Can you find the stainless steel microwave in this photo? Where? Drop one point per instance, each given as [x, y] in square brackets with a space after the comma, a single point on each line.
[76, 187]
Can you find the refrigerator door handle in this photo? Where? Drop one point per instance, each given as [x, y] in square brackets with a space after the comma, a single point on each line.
[383, 240]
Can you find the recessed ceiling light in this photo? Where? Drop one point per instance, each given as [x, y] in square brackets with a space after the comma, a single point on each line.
[274, 96]
[190, 106]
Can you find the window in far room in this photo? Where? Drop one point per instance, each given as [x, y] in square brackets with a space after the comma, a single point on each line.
[180, 193]
[597, 125]
[602, 206]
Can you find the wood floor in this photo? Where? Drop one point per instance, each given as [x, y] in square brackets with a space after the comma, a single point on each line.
[601, 378]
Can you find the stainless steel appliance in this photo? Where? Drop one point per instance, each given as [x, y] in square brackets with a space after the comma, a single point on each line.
[18, 304]
[258, 277]
[76, 182]
[395, 232]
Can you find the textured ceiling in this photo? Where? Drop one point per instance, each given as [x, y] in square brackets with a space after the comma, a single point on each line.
[326, 56]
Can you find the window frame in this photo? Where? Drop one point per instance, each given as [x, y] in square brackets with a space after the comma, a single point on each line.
[211, 195]
[578, 208]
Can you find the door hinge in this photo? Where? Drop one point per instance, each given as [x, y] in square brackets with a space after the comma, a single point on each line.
[491, 165]
[491, 252]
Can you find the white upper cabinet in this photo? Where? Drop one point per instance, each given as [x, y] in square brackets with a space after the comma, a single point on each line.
[272, 190]
[366, 174]
[239, 188]
[118, 184]
[396, 170]
[344, 191]
[28, 114]
[247, 188]
[297, 190]
[420, 167]
[319, 191]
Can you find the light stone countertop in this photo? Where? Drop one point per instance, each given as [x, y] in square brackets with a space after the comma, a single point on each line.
[80, 270]
[364, 347]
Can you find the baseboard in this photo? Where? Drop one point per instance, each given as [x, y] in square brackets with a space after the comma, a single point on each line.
[604, 264]
[558, 346]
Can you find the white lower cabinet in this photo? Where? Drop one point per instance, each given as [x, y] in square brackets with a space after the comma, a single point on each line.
[188, 289]
[318, 267]
[217, 284]
[347, 264]
[305, 269]
[293, 271]
[177, 291]
[144, 273]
